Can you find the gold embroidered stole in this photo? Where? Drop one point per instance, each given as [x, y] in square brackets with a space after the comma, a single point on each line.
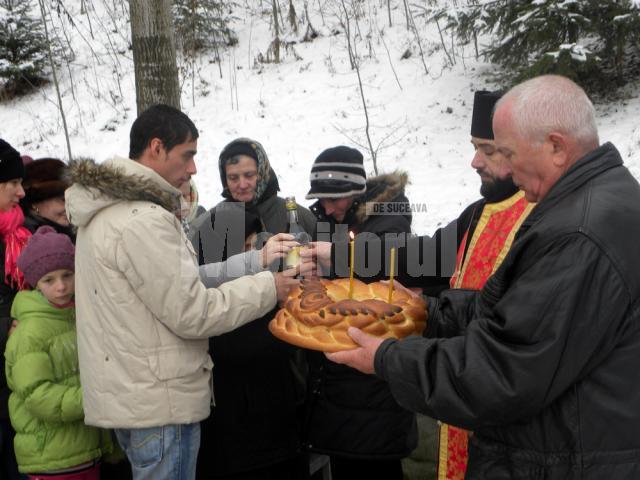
[491, 241]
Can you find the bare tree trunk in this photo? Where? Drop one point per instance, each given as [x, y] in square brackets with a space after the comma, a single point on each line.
[406, 14]
[416, 33]
[55, 77]
[321, 13]
[444, 46]
[154, 54]
[354, 65]
[293, 18]
[276, 27]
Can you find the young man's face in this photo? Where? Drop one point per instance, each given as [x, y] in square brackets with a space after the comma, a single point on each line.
[337, 207]
[177, 165]
[242, 178]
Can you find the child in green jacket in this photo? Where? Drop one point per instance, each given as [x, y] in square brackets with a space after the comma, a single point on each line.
[45, 405]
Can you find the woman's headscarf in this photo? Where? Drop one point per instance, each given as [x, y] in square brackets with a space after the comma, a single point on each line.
[267, 184]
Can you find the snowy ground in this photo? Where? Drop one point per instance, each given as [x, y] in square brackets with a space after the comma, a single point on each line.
[295, 109]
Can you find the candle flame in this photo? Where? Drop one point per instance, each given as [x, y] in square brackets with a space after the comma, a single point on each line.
[352, 236]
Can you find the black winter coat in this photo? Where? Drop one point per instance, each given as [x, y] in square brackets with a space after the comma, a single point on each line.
[542, 363]
[259, 383]
[425, 262]
[33, 222]
[6, 299]
[352, 414]
[254, 423]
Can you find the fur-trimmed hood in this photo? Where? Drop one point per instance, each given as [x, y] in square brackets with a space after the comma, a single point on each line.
[97, 186]
[387, 187]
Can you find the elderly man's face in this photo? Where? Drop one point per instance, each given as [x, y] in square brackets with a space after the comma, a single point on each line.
[242, 178]
[526, 162]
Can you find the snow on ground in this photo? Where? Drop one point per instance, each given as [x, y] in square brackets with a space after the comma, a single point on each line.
[296, 108]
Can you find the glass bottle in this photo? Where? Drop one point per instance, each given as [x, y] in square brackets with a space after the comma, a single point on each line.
[292, 258]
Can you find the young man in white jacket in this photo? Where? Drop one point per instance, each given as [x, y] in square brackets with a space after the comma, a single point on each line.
[143, 315]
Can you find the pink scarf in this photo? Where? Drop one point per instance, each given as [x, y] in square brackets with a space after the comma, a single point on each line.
[15, 238]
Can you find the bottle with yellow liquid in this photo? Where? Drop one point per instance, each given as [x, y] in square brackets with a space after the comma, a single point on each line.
[303, 238]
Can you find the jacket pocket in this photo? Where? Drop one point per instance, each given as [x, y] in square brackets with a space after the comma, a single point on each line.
[146, 446]
[177, 361]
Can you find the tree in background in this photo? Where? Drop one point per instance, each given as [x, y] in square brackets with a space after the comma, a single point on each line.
[154, 54]
[202, 24]
[594, 42]
[23, 47]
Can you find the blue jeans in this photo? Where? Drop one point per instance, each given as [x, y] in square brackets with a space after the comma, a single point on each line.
[168, 452]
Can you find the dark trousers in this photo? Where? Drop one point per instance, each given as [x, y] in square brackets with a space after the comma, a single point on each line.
[116, 471]
[349, 469]
[294, 469]
[8, 465]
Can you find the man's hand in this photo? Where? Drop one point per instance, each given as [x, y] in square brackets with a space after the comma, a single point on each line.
[321, 252]
[276, 247]
[285, 281]
[359, 358]
[307, 267]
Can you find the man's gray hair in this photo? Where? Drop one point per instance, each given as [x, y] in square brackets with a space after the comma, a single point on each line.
[552, 103]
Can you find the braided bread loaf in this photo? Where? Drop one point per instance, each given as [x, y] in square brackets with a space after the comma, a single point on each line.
[317, 314]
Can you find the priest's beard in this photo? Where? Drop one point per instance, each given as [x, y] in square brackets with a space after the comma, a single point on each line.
[498, 189]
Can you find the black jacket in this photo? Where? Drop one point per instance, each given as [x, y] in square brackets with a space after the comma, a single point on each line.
[6, 299]
[425, 262]
[542, 363]
[352, 414]
[259, 381]
[33, 222]
[255, 421]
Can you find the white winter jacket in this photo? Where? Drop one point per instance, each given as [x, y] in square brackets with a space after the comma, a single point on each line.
[143, 315]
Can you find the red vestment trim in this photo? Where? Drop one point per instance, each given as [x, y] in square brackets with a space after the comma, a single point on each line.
[489, 245]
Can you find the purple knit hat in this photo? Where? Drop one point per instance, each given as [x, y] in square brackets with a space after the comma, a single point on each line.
[46, 252]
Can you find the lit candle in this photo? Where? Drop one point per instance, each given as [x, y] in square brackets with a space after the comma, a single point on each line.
[352, 248]
[391, 272]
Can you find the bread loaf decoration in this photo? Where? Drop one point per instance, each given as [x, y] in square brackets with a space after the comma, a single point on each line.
[317, 314]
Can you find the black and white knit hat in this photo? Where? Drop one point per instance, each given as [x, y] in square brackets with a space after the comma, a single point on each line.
[338, 172]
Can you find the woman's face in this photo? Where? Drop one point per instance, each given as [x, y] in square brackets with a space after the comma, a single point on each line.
[242, 178]
[10, 194]
[52, 209]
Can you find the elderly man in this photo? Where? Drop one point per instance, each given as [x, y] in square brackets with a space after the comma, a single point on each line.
[483, 234]
[541, 362]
